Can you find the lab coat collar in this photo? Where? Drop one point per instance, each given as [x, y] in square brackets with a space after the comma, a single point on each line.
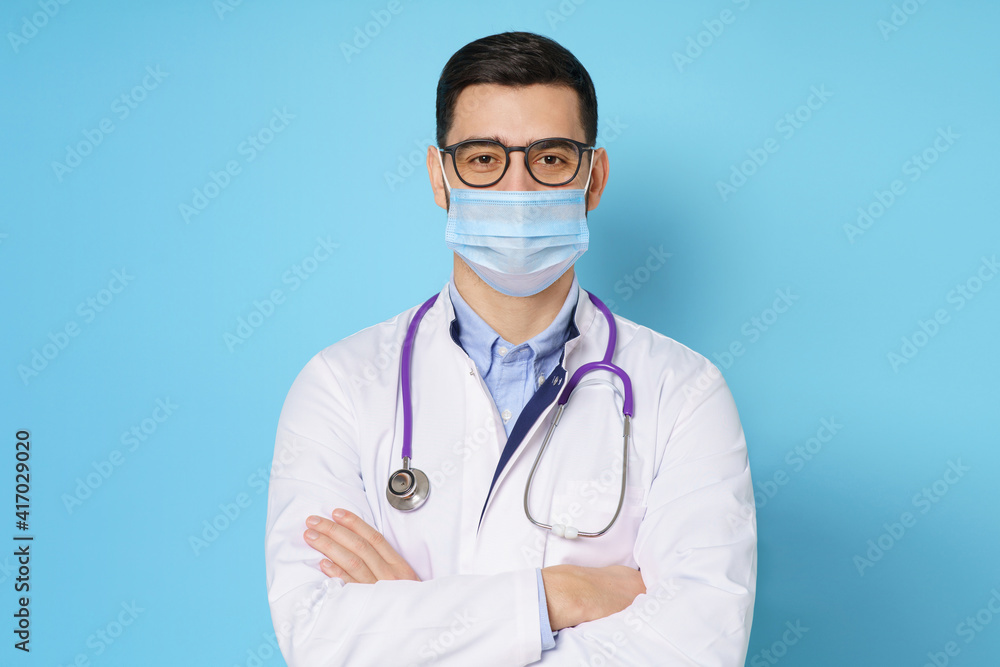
[584, 315]
[480, 338]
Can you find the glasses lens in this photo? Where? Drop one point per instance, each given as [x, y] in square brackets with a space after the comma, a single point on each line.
[554, 162]
[480, 162]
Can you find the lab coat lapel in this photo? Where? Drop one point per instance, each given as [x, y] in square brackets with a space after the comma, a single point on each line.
[456, 440]
[576, 354]
[481, 467]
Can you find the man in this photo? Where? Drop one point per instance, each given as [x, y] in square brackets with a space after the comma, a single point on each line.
[361, 574]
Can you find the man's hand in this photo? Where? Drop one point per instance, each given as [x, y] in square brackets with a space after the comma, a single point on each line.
[358, 553]
[575, 594]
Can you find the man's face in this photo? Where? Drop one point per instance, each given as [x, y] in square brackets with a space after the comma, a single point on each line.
[517, 117]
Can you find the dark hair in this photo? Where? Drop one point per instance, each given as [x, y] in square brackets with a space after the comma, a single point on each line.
[514, 59]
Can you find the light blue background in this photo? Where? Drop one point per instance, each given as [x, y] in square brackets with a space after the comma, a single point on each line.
[671, 133]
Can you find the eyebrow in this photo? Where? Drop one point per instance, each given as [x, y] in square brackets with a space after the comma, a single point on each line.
[494, 137]
[503, 140]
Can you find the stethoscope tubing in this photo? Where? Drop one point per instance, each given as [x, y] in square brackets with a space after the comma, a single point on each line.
[407, 354]
[417, 486]
[626, 432]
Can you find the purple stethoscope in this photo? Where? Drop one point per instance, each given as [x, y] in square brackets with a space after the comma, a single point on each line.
[408, 487]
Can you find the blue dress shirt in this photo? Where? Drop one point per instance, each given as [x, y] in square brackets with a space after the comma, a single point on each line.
[512, 373]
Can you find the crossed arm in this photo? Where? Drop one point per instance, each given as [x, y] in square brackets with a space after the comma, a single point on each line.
[696, 546]
[357, 553]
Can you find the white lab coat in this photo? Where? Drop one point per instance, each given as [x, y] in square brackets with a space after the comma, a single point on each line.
[688, 522]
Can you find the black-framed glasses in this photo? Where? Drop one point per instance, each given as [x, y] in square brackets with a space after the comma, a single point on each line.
[481, 163]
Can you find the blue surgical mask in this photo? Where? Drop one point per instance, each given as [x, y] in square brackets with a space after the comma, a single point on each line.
[518, 242]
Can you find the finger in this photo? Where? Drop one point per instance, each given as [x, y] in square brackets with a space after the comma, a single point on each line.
[370, 543]
[358, 546]
[345, 563]
[332, 571]
[350, 562]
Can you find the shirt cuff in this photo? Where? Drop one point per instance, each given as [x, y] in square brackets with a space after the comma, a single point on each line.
[548, 637]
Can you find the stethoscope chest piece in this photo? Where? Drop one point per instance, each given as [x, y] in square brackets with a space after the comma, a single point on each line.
[408, 488]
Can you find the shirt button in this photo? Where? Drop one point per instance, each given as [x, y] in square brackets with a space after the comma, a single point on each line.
[506, 416]
[502, 351]
[541, 380]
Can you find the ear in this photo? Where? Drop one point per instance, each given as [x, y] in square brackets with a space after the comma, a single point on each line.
[598, 178]
[437, 178]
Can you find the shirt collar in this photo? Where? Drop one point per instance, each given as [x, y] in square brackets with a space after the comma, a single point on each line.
[477, 337]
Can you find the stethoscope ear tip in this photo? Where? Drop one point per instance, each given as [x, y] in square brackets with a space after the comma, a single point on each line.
[562, 530]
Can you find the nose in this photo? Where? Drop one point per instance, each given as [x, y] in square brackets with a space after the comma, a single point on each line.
[517, 176]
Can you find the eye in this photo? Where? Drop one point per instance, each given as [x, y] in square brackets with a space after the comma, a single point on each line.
[554, 155]
[480, 156]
